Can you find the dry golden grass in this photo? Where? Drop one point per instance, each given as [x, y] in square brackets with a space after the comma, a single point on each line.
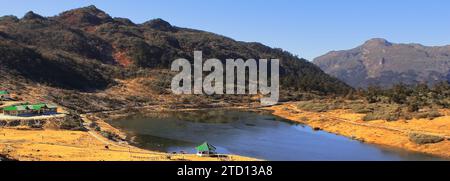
[61, 145]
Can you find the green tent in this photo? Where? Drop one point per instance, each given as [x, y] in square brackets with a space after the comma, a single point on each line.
[205, 147]
[4, 92]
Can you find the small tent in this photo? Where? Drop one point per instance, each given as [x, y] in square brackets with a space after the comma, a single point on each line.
[205, 149]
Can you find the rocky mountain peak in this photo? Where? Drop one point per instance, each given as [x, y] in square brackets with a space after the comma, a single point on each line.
[85, 16]
[376, 42]
[159, 24]
[31, 15]
[379, 62]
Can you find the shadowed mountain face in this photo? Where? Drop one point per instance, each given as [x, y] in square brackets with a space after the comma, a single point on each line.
[86, 49]
[379, 62]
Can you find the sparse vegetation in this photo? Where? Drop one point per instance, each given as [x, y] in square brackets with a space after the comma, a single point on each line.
[421, 139]
[110, 135]
[72, 122]
[78, 55]
[95, 126]
[400, 102]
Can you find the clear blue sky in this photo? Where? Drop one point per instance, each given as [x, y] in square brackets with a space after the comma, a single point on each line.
[308, 28]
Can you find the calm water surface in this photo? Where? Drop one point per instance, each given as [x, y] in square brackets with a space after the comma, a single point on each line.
[252, 134]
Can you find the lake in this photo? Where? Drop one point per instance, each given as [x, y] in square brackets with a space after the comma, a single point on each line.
[253, 134]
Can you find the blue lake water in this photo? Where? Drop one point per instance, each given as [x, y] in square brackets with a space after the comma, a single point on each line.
[258, 135]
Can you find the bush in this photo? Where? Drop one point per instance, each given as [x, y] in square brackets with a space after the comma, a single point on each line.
[303, 119]
[434, 114]
[361, 108]
[72, 122]
[389, 112]
[428, 115]
[313, 106]
[421, 139]
[95, 126]
[110, 136]
[14, 123]
[381, 116]
[413, 106]
[36, 124]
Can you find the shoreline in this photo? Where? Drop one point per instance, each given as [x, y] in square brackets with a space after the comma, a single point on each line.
[66, 145]
[27, 144]
[350, 125]
[87, 118]
[340, 123]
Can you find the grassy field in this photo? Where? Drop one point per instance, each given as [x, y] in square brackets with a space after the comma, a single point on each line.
[64, 145]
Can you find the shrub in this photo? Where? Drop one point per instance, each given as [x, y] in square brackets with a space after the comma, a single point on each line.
[389, 112]
[413, 106]
[313, 106]
[379, 115]
[111, 136]
[434, 114]
[431, 114]
[95, 126]
[72, 122]
[421, 139]
[361, 108]
[303, 119]
[14, 123]
[36, 124]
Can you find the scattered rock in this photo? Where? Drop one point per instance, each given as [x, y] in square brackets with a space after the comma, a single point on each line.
[421, 139]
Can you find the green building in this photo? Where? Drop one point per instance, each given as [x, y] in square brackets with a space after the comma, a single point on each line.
[30, 109]
[4, 95]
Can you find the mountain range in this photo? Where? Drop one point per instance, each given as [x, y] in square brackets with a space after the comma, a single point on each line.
[85, 51]
[380, 62]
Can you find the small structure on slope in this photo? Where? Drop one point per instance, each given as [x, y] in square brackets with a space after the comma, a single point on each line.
[30, 109]
[4, 95]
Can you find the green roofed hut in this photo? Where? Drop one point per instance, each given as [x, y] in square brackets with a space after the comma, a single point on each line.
[16, 110]
[205, 149]
[30, 109]
[4, 95]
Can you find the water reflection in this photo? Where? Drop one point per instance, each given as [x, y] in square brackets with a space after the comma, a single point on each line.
[253, 134]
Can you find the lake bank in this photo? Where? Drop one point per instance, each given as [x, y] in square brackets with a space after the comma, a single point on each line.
[64, 145]
[25, 144]
[250, 133]
[392, 134]
[54, 145]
